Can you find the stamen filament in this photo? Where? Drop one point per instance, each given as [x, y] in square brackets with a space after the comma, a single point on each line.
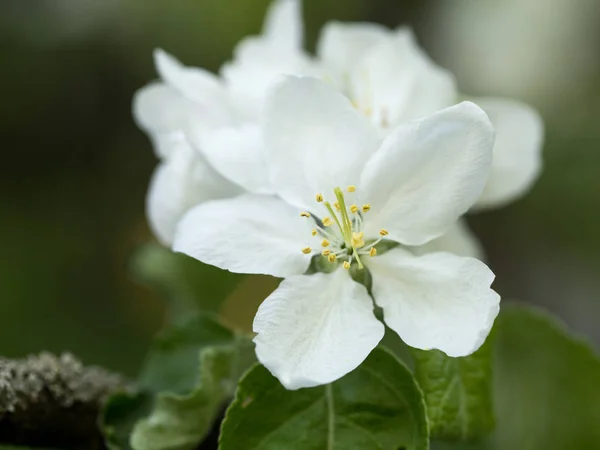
[324, 232]
[359, 262]
[372, 244]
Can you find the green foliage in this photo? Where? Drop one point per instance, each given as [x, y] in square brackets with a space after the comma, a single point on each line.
[182, 421]
[377, 406]
[545, 386]
[120, 414]
[172, 362]
[185, 282]
[190, 373]
[458, 392]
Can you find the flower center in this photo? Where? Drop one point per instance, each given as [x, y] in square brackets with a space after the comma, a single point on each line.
[343, 239]
[382, 119]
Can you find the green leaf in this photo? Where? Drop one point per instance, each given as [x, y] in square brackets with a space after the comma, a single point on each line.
[188, 284]
[545, 387]
[458, 392]
[119, 415]
[182, 421]
[378, 406]
[190, 372]
[172, 362]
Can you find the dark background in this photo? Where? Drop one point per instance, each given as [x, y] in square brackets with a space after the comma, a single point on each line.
[75, 169]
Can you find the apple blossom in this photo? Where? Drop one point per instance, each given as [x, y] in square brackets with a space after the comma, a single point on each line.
[341, 190]
[383, 72]
[191, 111]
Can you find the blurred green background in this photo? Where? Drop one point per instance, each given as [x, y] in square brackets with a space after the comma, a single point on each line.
[75, 169]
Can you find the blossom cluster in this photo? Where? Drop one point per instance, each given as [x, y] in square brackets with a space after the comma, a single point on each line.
[361, 159]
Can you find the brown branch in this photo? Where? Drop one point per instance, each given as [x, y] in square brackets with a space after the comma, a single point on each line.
[51, 401]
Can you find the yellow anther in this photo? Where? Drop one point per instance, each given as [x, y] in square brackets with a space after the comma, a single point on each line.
[327, 221]
[346, 265]
[325, 243]
[336, 205]
[373, 251]
[306, 250]
[313, 232]
[331, 258]
[304, 214]
[357, 240]
[351, 188]
[366, 207]
[319, 198]
[353, 209]
[383, 232]
[326, 252]
[354, 103]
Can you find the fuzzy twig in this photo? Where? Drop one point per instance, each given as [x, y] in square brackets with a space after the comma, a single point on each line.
[51, 401]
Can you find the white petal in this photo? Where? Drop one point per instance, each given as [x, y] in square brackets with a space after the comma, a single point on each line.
[246, 234]
[315, 139]
[397, 82]
[427, 174]
[517, 153]
[257, 62]
[163, 113]
[283, 24]
[179, 183]
[342, 45]
[158, 107]
[436, 301]
[458, 240]
[193, 83]
[238, 154]
[167, 116]
[315, 329]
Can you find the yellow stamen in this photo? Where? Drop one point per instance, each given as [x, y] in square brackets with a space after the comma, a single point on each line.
[331, 258]
[313, 232]
[319, 198]
[353, 209]
[304, 214]
[366, 207]
[306, 250]
[383, 232]
[326, 252]
[346, 265]
[357, 240]
[327, 221]
[325, 243]
[373, 251]
[336, 205]
[351, 188]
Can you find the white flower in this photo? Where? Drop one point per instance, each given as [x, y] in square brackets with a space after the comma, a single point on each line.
[392, 80]
[342, 189]
[164, 109]
[190, 110]
[383, 72]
